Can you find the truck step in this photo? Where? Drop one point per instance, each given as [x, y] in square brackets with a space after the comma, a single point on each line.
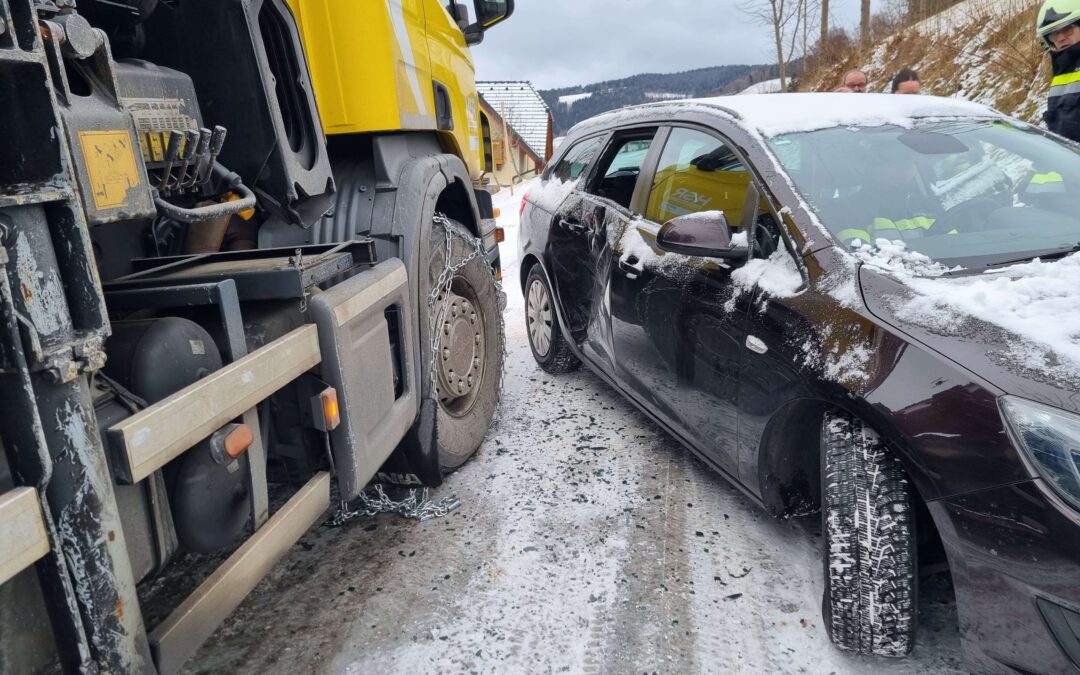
[198, 616]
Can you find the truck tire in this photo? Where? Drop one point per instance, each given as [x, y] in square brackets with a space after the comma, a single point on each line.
[468, 368]
[549, 346]
[868, 522]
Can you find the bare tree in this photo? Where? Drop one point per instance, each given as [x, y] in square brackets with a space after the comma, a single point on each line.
[785, 18]
[864, 25]
[824, 21]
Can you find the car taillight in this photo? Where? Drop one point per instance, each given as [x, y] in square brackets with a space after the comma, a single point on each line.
[524, 199]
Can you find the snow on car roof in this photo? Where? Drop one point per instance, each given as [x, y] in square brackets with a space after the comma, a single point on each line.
[774, 114]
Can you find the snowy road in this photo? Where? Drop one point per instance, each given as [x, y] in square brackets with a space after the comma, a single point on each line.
[587, 542]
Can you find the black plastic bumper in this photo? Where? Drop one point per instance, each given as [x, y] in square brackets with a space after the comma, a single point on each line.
[1014, 552]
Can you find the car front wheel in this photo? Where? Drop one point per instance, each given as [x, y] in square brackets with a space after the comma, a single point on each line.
[549, 347]
[868, 522]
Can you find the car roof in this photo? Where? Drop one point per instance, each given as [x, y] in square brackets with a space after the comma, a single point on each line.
[773, 114]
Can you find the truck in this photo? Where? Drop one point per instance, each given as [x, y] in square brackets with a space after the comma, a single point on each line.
[246, 264]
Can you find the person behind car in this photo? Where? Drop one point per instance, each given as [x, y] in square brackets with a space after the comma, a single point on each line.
[906, 82]
[1058, 27]
[855, 81]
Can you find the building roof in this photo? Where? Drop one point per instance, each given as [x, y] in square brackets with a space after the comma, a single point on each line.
[522, 108]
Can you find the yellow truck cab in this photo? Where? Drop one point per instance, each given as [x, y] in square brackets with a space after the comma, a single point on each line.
[395, 85]
[413, 59]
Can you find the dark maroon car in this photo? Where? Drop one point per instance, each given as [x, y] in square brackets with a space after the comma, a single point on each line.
[865, 306]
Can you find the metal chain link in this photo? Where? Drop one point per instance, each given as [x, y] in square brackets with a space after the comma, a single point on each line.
[374, 500]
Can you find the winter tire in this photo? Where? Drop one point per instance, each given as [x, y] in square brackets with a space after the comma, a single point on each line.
[468, 367]
[549, 347]
[870, 552]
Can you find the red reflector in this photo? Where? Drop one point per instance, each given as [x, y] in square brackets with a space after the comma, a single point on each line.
[524, 200]
[500, 235]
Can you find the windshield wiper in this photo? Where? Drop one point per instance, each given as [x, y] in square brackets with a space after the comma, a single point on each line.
[1053, 255]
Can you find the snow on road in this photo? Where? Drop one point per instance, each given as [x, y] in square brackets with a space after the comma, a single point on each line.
[587, 542]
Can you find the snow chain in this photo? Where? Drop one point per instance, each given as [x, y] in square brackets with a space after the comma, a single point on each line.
[374, 500]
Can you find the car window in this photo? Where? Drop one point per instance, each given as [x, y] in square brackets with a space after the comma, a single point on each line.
[576, 160]
[697, 172]
[619, 170]
[962, 192]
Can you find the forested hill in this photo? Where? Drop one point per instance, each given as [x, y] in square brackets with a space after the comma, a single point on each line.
[570, 105]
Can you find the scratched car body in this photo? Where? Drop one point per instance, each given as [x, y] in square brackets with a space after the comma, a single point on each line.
[745, 270]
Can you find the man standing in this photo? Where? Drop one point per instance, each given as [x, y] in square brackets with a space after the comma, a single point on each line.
[855, 80]
[1059, 30]
[906, 82]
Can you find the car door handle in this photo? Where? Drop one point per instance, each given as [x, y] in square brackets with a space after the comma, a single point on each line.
[756, 345]
[632, 266]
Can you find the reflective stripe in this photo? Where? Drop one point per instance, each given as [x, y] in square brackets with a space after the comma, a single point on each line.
[1066, 78]
[917, 223]
[1064, 89]
[880, 224]
[853, 234]
[1046, 178]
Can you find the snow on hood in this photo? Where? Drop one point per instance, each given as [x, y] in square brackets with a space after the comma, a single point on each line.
[1036, 302]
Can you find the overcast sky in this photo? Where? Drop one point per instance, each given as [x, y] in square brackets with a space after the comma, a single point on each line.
[558, 43]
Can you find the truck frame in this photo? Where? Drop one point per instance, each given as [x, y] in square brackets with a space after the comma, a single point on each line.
[231, 286]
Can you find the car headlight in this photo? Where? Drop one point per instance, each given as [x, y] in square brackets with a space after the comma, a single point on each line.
[1051, 440]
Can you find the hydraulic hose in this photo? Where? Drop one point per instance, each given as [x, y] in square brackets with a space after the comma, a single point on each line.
[204, 213]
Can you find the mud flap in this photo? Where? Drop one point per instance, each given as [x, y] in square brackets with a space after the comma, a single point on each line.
[417, 458]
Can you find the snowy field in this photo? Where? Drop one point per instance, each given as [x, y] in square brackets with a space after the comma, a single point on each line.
[587, 542]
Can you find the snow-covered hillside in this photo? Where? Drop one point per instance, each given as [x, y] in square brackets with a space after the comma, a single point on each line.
[981, 50]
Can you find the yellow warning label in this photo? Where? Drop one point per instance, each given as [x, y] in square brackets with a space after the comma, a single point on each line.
[110, 163]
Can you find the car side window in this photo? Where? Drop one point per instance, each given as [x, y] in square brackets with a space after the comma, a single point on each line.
[576, 160]
[618, 171]
[698, 172]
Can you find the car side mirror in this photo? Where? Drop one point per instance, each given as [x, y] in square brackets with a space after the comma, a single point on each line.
[704, 235]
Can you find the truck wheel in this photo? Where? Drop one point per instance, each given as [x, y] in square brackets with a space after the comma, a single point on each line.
[469, 361]
[549, 346]
[870, 550]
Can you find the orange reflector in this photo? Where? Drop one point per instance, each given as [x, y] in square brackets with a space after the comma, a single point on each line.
[331, 412]
[500, 235]
[498, 275]
[238, 441]
[496, 212]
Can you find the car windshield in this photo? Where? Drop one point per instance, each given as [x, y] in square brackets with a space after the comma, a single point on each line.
[970, 193]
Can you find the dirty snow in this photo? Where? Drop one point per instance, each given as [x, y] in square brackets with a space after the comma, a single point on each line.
[587, 542]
